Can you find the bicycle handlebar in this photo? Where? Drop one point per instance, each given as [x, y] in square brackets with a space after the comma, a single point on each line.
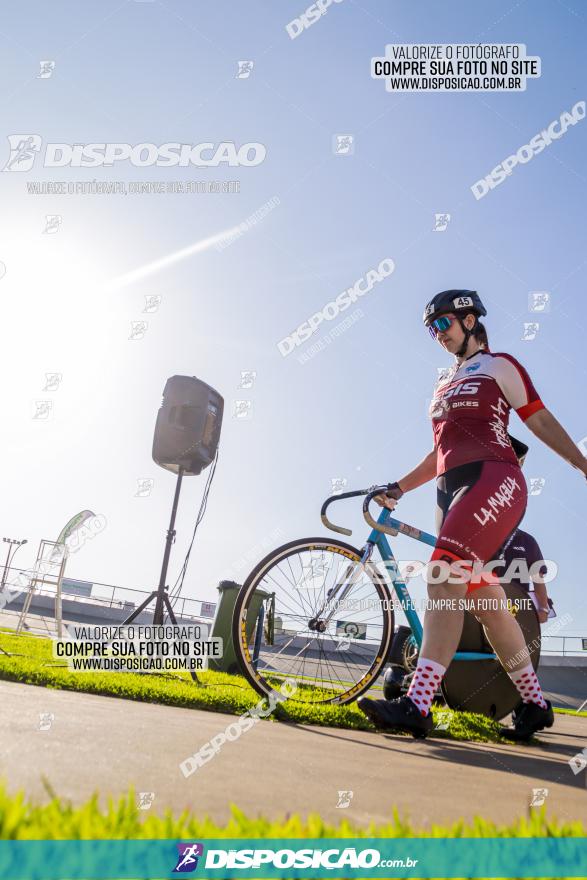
[380, 527]
[329, 501]
[370, 493]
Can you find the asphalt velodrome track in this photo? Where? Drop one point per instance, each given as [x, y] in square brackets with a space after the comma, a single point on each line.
[107, 745]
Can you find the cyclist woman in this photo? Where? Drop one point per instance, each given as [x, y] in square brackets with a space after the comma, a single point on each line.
[481, 500]
[490, 605]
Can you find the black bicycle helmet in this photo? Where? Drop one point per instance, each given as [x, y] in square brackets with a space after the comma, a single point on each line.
[461, 302]
[454, 301]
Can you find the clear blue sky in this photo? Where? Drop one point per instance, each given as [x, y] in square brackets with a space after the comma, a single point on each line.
[166, 72]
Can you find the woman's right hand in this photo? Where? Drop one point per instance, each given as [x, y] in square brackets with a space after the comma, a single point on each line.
[390, 498]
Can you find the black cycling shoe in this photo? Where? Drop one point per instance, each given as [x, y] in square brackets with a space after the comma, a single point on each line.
[527, 720]
[516, 712]
[392, 682]
[401, 714]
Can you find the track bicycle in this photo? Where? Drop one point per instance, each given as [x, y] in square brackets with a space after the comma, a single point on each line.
[321, 612]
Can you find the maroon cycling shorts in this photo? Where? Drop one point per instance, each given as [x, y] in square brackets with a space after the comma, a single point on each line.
[479, 505]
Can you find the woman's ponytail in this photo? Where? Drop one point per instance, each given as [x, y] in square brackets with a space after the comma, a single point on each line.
[480, 334]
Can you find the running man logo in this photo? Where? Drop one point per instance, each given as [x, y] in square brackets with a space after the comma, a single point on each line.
[539, 301]
[145, 800]
[536, 485]
[344, 800]
[245, 68]
[152, 303]
[343, 144]
[530, 331]
[539, 796]
[46, 719]
[188, 856]
[443, 720]
[313, 575]
[23, 151]
[247, 379]
[578, 762]
[441, 222]
[338, 485]
[52, 224]
[47, 68]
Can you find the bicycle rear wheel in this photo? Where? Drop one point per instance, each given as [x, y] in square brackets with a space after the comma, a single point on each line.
[311, 613]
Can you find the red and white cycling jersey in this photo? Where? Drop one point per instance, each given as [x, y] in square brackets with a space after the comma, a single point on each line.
[470, 409]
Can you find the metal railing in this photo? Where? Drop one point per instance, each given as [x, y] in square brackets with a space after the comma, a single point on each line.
[111, 596]
[564, 646]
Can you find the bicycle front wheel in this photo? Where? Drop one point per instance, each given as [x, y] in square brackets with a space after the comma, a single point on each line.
[311, 613]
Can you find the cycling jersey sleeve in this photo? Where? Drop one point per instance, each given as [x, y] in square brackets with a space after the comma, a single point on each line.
[517, 387]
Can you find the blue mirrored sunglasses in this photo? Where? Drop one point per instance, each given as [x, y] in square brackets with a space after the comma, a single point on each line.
[440, 325]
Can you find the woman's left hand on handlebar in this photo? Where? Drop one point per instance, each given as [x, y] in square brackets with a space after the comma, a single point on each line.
[390, 498]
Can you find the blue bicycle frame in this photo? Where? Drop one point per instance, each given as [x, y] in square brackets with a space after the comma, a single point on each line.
[387, 524]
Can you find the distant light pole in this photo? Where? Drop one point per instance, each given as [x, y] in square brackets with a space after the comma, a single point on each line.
[11, 543]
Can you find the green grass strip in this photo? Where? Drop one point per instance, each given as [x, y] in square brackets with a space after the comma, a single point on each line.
[20, 819]
[29, 661]
[570, 712]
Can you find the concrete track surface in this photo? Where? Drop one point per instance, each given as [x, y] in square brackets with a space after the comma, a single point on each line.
[104, 744]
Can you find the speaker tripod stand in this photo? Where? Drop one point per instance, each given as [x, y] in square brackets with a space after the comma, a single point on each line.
[161, 595]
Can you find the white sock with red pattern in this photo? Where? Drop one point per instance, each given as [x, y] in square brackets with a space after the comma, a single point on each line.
[424, 684]
[528, 685]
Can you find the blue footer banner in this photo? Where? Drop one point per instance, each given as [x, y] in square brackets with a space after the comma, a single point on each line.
[224, 858]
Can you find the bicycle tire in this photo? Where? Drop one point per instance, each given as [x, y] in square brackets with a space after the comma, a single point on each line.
[239, 630]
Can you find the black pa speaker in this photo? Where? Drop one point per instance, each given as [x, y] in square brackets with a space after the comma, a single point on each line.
[188, 425]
